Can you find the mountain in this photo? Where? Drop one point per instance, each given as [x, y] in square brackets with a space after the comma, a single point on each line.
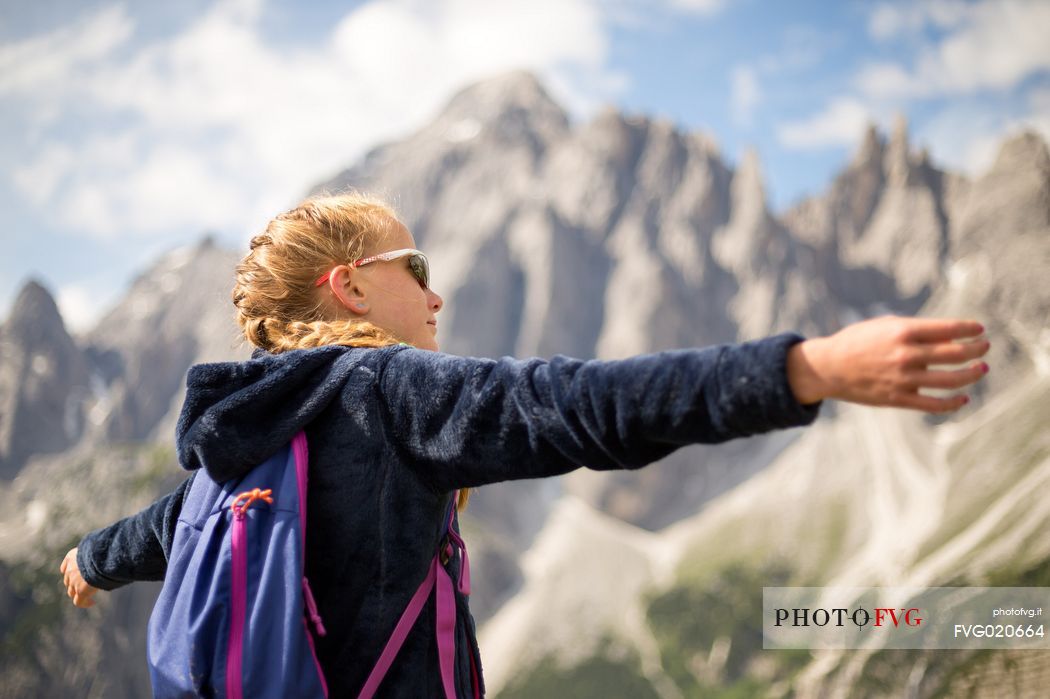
[870, 498]
[44, 381]
[618, 235]
[178, 312]
[999, 232]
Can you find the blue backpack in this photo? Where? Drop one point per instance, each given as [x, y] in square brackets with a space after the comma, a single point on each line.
[229, 621]
[235, 615]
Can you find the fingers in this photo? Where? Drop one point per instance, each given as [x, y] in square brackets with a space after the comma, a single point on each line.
[950, 379]
[84, 600]
[81, 593]
[953, 352]
[941, 329]
[71, 554]
[77, 588]
[929, 404]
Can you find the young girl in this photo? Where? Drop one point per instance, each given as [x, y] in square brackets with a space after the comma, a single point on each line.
[337, 302]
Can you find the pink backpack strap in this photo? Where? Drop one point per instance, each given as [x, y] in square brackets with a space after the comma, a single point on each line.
[302, 460]
[437, 577]
[446, 613]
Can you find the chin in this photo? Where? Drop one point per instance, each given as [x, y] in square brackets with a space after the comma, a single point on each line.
[425, 343]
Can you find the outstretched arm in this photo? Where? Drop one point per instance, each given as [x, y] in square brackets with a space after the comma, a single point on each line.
[135, 548]
[464, 421]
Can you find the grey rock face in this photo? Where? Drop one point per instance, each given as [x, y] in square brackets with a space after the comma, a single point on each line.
[881, 232]
[1000, 254]
[44, 382]
[176, 313]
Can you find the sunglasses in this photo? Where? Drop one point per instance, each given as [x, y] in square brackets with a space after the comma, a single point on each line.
[417, 262]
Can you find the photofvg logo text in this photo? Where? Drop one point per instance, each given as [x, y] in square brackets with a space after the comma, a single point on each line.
[904, 618]
[839, 616]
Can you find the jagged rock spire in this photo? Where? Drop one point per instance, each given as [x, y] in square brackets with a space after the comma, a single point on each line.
[34, 309]
[43, 381]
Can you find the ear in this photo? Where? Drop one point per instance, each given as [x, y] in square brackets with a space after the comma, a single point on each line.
[343, 283]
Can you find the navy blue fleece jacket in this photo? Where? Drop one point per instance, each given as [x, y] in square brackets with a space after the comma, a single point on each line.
[392, 431]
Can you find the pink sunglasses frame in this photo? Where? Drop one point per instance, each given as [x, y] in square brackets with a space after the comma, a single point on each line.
[384, 257]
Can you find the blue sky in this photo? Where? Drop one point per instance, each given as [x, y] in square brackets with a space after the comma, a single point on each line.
[131, 128]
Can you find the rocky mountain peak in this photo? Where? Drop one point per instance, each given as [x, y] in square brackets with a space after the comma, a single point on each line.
[43, 381]
[871, 149]
[177, 312]
[739, 244]
[899, 134]
[34, 310]
[610, 126]
[1003, 217]
[515, 96]
[748, 187]
[1026, 150]
[897, 156]
[206, 243]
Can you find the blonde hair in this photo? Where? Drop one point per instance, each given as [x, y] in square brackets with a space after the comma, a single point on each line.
[278, 306]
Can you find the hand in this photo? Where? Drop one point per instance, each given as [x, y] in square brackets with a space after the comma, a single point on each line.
[883, 362]
[77, 588]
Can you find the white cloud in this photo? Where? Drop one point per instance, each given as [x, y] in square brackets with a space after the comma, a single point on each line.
[171, 188]
[703, 7]
[40, 179]
[224, 127]
[803, 47]
[841, 123]
[745, 95]
[1039, 101]
[80, 308]
[966, 137]
[989, 45]
[442, 45]
[993, 45]
[889, 20]
[963, 139]
[38, 65]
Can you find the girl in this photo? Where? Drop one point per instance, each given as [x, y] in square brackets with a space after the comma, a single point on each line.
[337, 302]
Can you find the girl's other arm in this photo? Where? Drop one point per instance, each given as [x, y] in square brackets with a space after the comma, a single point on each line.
[135, 548]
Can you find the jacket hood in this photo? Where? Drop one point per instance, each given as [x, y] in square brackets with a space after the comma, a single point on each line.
[237, 414]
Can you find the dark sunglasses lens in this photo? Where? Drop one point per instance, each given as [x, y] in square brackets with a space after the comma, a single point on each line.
[420, 268]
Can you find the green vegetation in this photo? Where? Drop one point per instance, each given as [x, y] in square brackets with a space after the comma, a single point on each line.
[34, 602]
[1018, 443]
[598, 676]
[710, 635]
[962, 508]
[160, 462]
[886, 673]
[1037, 575]
[945, 672]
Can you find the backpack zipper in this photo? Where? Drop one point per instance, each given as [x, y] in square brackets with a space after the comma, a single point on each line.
[239, 589]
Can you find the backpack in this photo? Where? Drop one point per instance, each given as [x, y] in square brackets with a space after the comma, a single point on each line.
[235, 615]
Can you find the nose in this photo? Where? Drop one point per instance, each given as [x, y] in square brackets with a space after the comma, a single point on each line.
[435, 301]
